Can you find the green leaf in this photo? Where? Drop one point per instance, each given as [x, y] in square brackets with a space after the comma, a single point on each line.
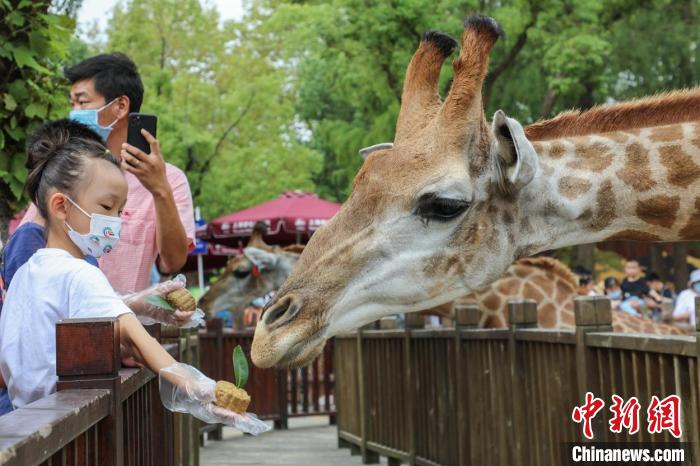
[24, 57]
[240, 366]
[17, 187]
[10, 102]
[35, 110]
[159, 302]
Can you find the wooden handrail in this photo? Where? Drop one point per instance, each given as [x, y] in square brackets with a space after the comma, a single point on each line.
[32, 434]
[101, 414]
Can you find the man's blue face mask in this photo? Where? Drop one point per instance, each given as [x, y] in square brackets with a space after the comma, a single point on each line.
[90, 118]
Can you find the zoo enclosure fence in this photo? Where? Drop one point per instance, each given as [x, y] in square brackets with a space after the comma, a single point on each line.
[277, 394]
[101, 414]
[471, 396]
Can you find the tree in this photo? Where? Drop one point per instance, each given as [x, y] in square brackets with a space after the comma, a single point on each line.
[225, 114]
[33, 46]
[347, 58]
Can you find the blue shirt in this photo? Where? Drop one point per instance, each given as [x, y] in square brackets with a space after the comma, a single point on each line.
[22, 245]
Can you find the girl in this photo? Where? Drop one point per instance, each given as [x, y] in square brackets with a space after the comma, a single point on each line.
[79, 189]
[31, 236]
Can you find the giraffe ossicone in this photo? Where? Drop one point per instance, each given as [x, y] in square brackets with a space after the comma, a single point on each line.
[455, 201]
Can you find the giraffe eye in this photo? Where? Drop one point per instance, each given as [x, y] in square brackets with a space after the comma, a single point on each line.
[242, 272]
[432, 207]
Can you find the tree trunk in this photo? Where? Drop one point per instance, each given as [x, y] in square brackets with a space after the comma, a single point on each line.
[657, 261]
[680, 266]
[585, 256]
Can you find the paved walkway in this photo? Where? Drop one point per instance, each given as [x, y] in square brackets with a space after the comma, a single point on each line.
[308, 442]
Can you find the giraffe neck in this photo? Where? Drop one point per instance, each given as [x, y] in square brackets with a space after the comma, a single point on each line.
[633, 185]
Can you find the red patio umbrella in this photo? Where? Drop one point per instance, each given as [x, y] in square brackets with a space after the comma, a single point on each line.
[293, 217]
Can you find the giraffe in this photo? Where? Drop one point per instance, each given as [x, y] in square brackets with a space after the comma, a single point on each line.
[455, 201]
[260, 269]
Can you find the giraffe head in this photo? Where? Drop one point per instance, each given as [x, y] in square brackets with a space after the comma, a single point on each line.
[429, 219]
[254, 273]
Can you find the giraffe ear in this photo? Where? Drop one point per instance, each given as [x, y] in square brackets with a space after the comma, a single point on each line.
[514, 157]
[261, 259]
[368, 150]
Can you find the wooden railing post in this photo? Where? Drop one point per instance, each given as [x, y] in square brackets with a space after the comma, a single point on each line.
[522, 313]
[591, 314]
[87, 356]
[216, 326]
[413, 321]
[283, 395]
[465, 316]
[161, 426]
[368, 456]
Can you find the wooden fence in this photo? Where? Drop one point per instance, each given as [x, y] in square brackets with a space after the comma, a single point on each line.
[276, 394]
[101, 414]
[470, 396]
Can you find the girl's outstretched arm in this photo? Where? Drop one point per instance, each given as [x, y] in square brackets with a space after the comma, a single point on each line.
[146, 348]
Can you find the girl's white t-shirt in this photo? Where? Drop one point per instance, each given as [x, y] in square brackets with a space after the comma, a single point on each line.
[52, 285]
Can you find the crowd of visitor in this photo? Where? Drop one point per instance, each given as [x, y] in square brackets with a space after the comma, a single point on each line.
[641, 294]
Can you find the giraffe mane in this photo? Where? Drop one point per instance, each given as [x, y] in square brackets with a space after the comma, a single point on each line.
[553, 265]
[662, 109]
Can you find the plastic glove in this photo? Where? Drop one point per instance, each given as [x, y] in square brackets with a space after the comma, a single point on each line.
[149, 313]
[183, 389]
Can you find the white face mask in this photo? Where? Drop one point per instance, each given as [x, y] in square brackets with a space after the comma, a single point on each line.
[103, 236]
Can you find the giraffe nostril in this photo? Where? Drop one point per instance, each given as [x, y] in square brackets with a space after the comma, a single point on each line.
[281, 312]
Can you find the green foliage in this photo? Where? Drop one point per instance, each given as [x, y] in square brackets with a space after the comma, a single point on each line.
[240, 367]
[347, 58]
[226, 114]
[33, 47]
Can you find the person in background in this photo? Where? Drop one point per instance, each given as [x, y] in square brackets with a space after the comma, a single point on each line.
[158, 219]
[655, 283]
[586, 285]
[684, 311]
[635, 289]
[613, 292]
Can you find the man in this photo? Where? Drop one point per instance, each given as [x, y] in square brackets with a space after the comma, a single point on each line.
[654, 282]
[684, 312]
[158, 219]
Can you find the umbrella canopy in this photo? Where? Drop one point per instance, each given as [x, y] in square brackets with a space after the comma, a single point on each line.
[293, 217]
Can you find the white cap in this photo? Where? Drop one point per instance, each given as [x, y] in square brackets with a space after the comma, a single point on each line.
[694, 276]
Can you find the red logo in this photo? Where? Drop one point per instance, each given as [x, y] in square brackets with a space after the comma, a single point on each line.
[661, 414]
[664, 415]
[587, 412]
[624, 415]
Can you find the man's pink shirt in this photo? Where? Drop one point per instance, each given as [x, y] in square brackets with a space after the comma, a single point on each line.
[128, 266]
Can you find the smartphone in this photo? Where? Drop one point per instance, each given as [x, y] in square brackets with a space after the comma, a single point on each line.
[137, 122]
